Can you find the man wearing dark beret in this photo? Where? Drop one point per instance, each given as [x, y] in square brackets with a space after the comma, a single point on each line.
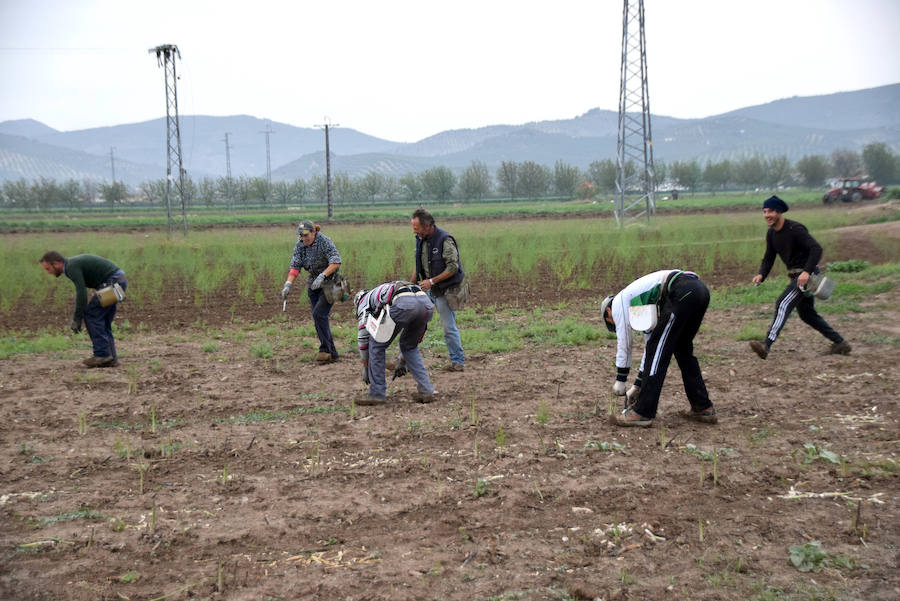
[801, 253]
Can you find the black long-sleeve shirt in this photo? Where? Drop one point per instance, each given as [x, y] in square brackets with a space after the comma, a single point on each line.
[794, 244]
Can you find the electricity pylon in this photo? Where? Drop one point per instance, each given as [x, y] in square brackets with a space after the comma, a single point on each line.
[228, 190]
[634, 151]
[165, 57]
[268, 131]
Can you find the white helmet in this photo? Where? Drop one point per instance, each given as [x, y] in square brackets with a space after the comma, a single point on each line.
[358, 297]
[604, 305]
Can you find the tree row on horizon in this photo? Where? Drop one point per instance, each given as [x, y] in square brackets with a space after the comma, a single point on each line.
[523, 180]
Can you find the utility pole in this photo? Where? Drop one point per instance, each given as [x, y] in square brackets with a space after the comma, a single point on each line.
[165, 58]
[268, 131]
[326, 125]
[227, 171]
[112, 162]
[634, 152]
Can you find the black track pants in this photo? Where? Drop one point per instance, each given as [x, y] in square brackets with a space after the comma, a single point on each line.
[679, 320]
[790, 299]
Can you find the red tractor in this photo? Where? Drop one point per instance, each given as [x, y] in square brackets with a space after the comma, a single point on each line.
[852, 189]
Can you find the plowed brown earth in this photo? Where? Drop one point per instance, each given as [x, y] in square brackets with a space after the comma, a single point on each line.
[185, 474]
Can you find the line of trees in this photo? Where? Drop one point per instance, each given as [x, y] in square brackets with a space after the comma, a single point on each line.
[525, 180]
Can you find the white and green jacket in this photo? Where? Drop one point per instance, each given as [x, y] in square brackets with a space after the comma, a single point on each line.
[646, 290]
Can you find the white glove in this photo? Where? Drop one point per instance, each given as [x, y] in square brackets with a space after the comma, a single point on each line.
[317, 283]
[286, 290]
[619, 388]
[632, 394]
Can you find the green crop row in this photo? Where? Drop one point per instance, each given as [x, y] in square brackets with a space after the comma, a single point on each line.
[556, 253]
[203, 217]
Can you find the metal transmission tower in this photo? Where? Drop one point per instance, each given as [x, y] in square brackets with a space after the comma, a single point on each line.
[165, 57]
[227, 170]
[634, 152]
[268, 155]
[326, 125]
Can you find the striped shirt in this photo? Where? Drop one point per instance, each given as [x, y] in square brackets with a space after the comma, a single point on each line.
[371, 303]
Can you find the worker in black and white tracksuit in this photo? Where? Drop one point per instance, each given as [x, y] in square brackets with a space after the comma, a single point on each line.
[801, 253]
[677, 301]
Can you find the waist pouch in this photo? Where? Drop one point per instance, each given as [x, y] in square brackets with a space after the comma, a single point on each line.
[457, 296]
[336, 288]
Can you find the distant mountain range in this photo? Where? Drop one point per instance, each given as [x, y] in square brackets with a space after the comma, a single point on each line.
[793, 127]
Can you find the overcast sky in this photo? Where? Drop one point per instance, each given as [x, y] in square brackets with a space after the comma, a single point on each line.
[406, 69]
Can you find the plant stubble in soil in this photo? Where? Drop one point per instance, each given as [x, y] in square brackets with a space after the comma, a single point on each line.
[220, 476]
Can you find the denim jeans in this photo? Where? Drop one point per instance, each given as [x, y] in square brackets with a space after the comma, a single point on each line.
[321, 309]
[451, 333]
[98, 322]
[411, 314]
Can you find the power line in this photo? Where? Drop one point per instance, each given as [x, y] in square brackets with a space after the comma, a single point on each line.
[61, 49]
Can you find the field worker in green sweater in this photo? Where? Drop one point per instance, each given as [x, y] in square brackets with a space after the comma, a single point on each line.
[98, 311]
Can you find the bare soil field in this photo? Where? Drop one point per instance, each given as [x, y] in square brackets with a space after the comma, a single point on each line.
[191, 473]
[184, 474]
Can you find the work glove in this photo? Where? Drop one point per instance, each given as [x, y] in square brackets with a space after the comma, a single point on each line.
[75, 326]
[400, 370]
[317, 283]
[365, 374]
[619, 388]
[632, 394]
[286, 290]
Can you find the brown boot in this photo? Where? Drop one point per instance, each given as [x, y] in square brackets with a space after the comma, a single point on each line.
[759, 348]
[421, 397]
[98, 361]
[840, 348]
[630, 419]
[707, 416]
[323, 358]
[371, 400]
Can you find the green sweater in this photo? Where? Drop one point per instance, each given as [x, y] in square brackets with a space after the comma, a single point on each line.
[87, 271]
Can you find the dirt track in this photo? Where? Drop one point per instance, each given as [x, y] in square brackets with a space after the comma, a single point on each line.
[259, 482]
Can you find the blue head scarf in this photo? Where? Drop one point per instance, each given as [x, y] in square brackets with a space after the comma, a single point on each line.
[776, 204]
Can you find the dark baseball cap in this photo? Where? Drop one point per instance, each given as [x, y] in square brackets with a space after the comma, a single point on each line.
[306, 227]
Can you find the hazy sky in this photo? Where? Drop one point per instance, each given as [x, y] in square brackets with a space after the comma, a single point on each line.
[407, 69]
